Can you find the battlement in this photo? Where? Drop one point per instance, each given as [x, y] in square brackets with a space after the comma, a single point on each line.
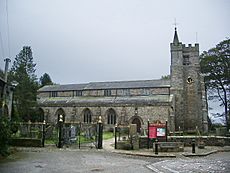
[190, 47]
[184, 47]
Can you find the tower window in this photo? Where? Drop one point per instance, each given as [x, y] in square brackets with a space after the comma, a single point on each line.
[186, 60]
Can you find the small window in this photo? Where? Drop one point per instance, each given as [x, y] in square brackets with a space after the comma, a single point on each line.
[87, 116]
[186, 60]
[78, 93]
[126, 92]
[107, 93]
[111, 117]
[53, 94]
[145, 91]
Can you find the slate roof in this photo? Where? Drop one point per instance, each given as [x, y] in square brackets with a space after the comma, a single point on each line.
[69, 87]
[95, 101]
[108, 85]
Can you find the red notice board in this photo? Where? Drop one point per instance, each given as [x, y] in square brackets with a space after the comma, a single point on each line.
[152, 132]
[157, 130]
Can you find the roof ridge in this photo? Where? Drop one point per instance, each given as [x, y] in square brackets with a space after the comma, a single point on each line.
[128, 81]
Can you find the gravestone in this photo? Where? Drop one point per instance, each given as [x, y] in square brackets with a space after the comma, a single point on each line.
[24, 131]
[133, 129]
[135, 142]
[73, 134]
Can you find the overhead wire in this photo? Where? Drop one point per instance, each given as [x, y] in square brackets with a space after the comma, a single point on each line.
[1, 41]
[8, 30]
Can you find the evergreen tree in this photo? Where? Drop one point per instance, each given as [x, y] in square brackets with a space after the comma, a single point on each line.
[23, 73]
[45, 80]
[166, 77]
[5, 133]
[1, 74]
[215, 65]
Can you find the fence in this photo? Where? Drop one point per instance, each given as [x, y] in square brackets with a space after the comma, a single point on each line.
[27, 134]
[71, 134]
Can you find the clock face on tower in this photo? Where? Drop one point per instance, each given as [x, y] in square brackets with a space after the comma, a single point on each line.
[189, 80]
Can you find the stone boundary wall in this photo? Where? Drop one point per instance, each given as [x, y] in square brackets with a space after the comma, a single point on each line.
[208, 140]
[187, 140]
[26, 142]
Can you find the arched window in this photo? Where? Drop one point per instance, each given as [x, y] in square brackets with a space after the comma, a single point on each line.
[111, 116]
[59, 112]
[87, 116]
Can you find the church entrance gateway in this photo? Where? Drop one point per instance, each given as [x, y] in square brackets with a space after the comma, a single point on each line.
[138, 123]
[75, 134]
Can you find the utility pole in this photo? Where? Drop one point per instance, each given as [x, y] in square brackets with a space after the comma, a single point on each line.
[7, 61]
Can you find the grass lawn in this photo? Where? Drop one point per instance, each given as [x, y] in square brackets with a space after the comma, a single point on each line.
[107, 135]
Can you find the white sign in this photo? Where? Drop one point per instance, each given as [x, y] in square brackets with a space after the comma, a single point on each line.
[160, 131]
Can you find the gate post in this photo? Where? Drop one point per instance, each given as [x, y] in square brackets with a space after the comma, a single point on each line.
[79, 138]
[60, 142]
[148, 133]
[100, 133]
[115, 146]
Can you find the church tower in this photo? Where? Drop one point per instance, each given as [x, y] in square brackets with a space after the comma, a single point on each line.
[187, 87]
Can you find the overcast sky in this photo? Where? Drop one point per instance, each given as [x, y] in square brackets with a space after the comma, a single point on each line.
[77, 41]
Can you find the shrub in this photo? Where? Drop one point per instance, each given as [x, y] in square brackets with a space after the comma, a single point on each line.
[5, 133]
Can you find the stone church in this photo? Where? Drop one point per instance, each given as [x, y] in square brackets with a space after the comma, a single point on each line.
[180, 100]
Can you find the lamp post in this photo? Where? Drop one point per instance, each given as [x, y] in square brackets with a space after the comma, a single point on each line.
[100, 133]
[4, 95]
[60, 142]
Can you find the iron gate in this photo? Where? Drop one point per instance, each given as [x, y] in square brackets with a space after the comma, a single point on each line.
[73, 134]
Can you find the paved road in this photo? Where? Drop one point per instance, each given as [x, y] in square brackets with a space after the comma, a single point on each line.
[71, 162]
[219, 162]
[105, 162]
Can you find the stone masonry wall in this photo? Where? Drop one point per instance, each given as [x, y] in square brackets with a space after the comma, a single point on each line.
[144, 113]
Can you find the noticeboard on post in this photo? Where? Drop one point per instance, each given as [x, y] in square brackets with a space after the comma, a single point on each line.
[157, 130]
